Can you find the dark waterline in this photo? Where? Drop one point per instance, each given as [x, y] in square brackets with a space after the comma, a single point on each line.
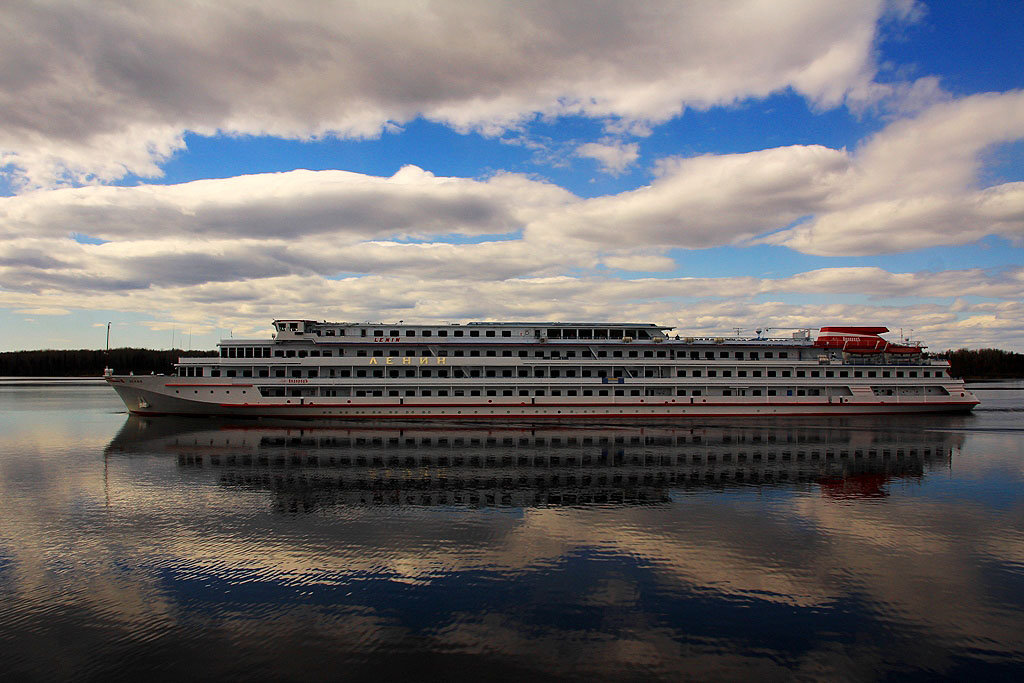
[849, 549]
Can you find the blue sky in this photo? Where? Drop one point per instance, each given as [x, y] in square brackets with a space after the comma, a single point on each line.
[188, 168]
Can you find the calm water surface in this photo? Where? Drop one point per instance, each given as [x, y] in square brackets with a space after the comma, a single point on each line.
[851, 549]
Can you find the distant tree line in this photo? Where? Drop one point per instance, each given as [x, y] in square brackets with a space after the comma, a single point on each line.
[985, 363]
[89, 363]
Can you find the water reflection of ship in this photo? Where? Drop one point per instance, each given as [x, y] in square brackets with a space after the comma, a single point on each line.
[310, 466]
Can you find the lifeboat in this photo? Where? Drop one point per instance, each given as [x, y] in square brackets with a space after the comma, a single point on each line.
[860, 340]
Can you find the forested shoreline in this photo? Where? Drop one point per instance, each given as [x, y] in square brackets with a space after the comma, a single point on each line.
[985, 363]
[90, 363]
[965, 363]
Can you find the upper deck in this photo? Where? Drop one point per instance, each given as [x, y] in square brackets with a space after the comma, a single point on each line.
[342, 332]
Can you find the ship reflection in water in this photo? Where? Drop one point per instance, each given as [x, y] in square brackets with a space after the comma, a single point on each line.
[308, 466]
[853, 549]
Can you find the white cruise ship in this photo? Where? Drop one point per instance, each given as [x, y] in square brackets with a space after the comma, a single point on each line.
[546, 370]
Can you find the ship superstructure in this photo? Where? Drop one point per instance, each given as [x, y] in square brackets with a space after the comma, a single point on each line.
[519, 370]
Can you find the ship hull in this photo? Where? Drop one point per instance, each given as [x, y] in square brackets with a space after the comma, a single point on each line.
[146, 397]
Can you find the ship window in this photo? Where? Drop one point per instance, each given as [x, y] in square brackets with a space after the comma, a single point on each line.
[459, 352]
[570, 373]
[410, 392]
[442, 392]
[378, 333]
[279, 354]
[492, 392]
[586, 373]
[913, 373]
[741, 373]
[588, 392]
[490, 373]
[858, 373]
[412, 352]
[360, 373]
[314, 353]
[602, 354]
[554, 392]
[474, 333]
[378, 352]
[756, 373]
[231, 373]
[246, 373]
[830, 373]
[727, 392]
[426, 392]
[538, 373]
[392, 373]
[474, 352]
[506, 333]
[801, 373]
[771, 373]
[570, 392]
[492, 353]
[506, 392]
[710, 355]
[739, 355]
[361, 352]
[410, 333]
[344, 373]
[696, 373]
[602, 392]
[697, 392]
[392, 393]
[771, 392]
[886, 373]
[427, 333]
[440, 333]
[783, 354]
[302, 354]
[570, 354]
[393, 333]
[523, 354]
[632, 354]
[616, 354]
[726, 373]
[769, 354]
[490, 333]
[786, 373]
[410, 373]
[844, 373]
[472, 392]
[378, 373]
[296, 373]
[314, 373]
[680, 373]
[712, 373]
[648, 354]
[634, 392]
[424, 352]
[899, 373]
[723, 354]
[457, 333]
[328, 354]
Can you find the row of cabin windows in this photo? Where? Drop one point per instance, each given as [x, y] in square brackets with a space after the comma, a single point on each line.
[551, 333]
[245, 352]
[531, 393]
[190, 371]
[258, 352]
